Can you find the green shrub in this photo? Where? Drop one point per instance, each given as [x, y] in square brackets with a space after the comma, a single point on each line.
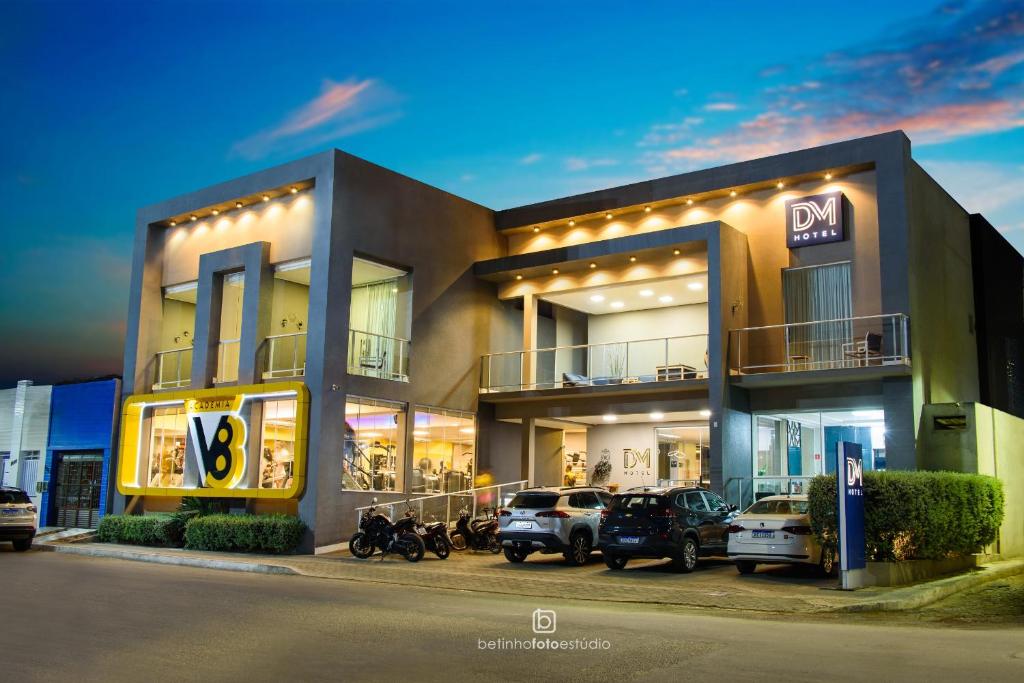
[245, 533]
[916, 515]
[156, 530]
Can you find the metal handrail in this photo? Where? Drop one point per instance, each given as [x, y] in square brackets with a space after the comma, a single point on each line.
[418, 501]
[296, 369]
[393, 369]
[587, 346]
[178, 381]
[820, 322]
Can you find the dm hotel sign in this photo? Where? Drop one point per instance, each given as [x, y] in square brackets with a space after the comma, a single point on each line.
[817, 219]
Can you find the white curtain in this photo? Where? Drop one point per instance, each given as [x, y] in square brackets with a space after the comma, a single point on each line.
[817, 294]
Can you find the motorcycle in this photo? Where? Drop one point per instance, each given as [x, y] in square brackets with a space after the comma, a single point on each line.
[377, 532]
[435, 537]
[477, 534]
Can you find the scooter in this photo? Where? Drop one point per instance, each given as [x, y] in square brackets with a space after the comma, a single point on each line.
[377, 532]
[476, 534]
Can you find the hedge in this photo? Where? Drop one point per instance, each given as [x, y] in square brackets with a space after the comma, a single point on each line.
[157, 530]
[916, 515]
[245, 533]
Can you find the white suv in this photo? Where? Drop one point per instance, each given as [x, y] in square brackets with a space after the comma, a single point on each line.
[17, 518]
[552, 520]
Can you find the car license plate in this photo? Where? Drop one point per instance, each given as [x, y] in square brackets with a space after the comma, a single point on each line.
[763, 534]
[629, 539]
[524, 525]
[12, 511]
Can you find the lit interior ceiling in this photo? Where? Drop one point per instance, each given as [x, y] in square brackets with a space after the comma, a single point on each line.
[365, 272]
[635, 296]
[584, 421]
[184, 292]
[293, 271]
[866, 417]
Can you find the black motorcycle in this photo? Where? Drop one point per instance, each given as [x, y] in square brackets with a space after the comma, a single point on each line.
[377, 532]
[435, 537]
[476, 534]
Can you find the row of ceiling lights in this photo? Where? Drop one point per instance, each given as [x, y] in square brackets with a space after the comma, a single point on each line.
[238, 205]
[689, 202]
[656, 416]
[593, 266]
[647, 293]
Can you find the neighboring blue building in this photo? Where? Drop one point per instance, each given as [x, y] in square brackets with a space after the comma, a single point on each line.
[82, 436]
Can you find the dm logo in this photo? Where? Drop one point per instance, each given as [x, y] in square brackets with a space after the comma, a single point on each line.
[634, 457]
[218, 437]
[817, 219]
[854, 472]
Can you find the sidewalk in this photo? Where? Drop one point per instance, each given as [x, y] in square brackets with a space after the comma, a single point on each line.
[714, 585]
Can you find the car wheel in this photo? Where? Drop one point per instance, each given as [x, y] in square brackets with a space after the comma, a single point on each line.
[514, 556]
[615, 561]
[579, 549]
[746, 566]
[22, 544]
[827, 564]
[686, 560]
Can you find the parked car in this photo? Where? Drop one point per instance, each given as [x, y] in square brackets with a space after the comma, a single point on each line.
[777, 530]
[552, 520]
[681, 523]
[18, 518]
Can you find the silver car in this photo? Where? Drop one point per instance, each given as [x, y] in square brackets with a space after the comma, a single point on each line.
[17, 518]
[552, 520]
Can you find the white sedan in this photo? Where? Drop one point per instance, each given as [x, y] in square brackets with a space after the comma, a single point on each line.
[776, 530]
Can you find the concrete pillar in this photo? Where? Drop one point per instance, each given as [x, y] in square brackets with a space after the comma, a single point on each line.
[900, 425]
[529, 340]
[528, 452]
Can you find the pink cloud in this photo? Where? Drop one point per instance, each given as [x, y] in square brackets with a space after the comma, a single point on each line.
[720, 106]
[340, 110]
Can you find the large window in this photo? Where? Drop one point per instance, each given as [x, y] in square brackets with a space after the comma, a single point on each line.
[444, 455]
[230, 327]
[284, 352]
[167, 447]
[277, 456]
[821, 295]
[372, 454]
[684, 455]
[380, 321]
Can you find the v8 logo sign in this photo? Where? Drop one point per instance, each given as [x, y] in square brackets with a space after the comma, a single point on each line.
[218, 438]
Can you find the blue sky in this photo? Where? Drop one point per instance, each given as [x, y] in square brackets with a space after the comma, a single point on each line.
[110, 106]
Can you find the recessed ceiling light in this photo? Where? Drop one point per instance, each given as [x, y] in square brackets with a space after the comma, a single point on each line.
[593, 265]
[519, 277]
[657, 415]
[646, 292]
[689, 202]
[665, 299]
[705, 413]
[554, 271]
[216, 212]
[780, 184]
[266, 197]
[632, 259]
[238, 205]
[828, 176]
[294, 190]
[571, 223]
[193, 217]
[732, 193]
[647, 209]
[467, 430]
[610, 417]
[536, 228]
[676, 252]
[608, 215]
[616, 304]
[173, 223]
[695, 286]
[421, 432]
[597, 298]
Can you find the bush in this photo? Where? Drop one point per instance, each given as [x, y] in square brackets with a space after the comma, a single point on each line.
[157, 530]
[245, 533]
[916, 515]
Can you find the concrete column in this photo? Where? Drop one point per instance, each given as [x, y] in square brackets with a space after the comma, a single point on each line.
[900, 426]
[529, 339]
[528, 452]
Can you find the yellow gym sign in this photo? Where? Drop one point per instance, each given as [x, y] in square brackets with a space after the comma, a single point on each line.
[240, 442]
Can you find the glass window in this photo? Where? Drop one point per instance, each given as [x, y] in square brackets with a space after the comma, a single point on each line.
[684, 454]
[533, 501]
[14, 498]
[277, 457]
[284, 351]
[715, 502]
[605, 498]
[694, 501]
[167, 447]
[230, 327]
[380, 321]
[778, 507]
[373, 445]
[639, 502]
[444, 454]
[587, 500]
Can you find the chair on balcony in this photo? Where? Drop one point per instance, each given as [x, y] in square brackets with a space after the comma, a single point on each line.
[862, 350]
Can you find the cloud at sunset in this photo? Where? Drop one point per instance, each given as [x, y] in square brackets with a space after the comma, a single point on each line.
[340, 110]
[954, 73]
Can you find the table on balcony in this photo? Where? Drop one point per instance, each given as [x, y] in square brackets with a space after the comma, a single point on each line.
[672, 373]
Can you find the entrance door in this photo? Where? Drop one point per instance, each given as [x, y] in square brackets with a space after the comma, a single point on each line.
[78, 490]
[28, 473]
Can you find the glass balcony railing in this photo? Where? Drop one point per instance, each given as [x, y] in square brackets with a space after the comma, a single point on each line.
[375, 355]
[822, 345]
[172, 369]
[663, 359]
[227, 361]
[284, 355]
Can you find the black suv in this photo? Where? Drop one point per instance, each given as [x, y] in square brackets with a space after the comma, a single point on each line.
[680, 523]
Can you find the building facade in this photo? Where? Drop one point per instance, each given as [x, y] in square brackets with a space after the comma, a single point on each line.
[312, 336]
[24, 420]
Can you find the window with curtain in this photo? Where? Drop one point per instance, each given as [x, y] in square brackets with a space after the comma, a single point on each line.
[820, 295]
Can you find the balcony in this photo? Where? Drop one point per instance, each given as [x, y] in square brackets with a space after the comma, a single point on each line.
[227, 361]
[172, 369]
[647, 361]
[375, 355]
[878, 343]
[284, 355]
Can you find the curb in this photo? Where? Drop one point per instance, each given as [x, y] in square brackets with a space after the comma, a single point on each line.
[184, 561]
[913, 597]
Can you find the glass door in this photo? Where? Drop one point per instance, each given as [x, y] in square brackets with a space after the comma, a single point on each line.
[683, 455]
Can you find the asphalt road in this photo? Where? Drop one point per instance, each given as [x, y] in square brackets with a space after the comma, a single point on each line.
[85, 619]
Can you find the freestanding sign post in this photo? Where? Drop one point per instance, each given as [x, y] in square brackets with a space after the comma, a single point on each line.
[850, 501]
